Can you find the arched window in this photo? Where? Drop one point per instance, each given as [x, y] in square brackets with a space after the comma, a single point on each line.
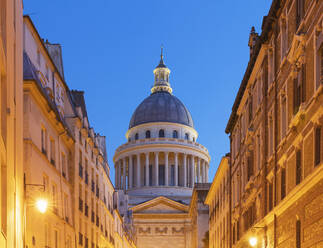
[175, 134]
[147, 134]
[161, 133]
[136, 136]
[193, 139]
[129, 139]
[186, 136]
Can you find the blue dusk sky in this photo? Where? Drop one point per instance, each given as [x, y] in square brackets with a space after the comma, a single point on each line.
[110, 49]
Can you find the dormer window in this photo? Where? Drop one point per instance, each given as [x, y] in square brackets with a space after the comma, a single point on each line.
[161, 133]
[147, 134]
[186, 136]
[175, 134]
[136, 136]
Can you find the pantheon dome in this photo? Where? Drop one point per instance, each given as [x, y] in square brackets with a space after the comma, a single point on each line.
[161, 156]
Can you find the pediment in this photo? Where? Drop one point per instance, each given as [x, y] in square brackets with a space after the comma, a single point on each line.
[160, 205]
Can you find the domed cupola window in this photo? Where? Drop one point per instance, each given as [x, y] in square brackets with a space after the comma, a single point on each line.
[161, 133]
[187, 136]
[175, 134]
[136, 136]
[147, 134]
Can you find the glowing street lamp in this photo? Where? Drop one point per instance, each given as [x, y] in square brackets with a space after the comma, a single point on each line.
[42, 205]
[253, 241]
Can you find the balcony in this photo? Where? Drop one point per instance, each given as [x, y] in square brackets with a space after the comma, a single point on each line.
[188, 143]
[80, 204]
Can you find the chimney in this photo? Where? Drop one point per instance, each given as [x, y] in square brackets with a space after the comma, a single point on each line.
[253, 37]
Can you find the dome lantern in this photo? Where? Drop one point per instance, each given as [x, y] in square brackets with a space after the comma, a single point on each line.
[161, 74]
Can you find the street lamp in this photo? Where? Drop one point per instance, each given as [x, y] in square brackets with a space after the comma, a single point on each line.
[253, 240]
[42, 205]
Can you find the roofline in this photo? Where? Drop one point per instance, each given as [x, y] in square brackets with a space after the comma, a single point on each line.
[266, 28]
[27, 17]
[220, 167]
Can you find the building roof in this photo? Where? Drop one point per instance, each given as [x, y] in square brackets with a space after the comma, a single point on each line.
[266, 28]
[161, 106]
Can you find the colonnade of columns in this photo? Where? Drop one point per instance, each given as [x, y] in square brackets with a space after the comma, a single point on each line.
[160, 169]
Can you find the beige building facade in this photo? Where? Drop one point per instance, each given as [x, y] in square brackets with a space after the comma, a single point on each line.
[218, 200]
[65, 161]
[11, 115]
[276, 132]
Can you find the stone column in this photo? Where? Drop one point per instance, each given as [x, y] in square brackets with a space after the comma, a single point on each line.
[124, 173]
[193, 171]
[207, 172]
[138, 183]
[203, 171]
[176, 169]
[116, 175]
[156, 169]
[166, 169]
[119, 174]
[147, 169]
[130, 177]
[184, 170]
[198, 170]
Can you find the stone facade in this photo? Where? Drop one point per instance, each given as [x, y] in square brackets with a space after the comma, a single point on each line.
[276, 132]
[11, 115]
[65, 161]
[218, 201]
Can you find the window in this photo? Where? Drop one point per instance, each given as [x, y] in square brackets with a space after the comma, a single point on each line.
[270, 196]
[54, 198]
[319, 79]
[55, 238]
[52, 151]
[64, 170]
[80, 165]
[318, 146]
[136, 136]
[250, 109]
[161, 133]
[175, 134]
[284, 35]
[147, 134]
[270, 65]
[298, 167]
[298, 234]
[43, 140]
[271, 135]
[283, 183]
[250, 165]
[283, 116]
[187, 136]
[299, 89]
